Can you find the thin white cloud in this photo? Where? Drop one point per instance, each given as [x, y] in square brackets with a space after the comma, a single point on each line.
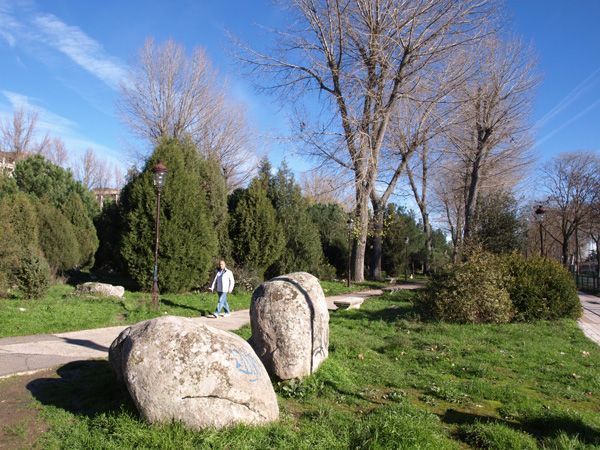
[573, 95]
[82, 49]
[567, 123]
[56, 125]
[9, 27]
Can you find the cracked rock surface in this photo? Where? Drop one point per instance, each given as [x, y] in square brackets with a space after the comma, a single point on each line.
[290, 325]
[178, 370]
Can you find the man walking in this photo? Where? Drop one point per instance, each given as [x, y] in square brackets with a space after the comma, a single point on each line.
[224, 283]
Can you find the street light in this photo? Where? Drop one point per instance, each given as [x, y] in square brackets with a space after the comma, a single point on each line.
[406, 258]
[350, 224]
[160, 174]
[540, 212]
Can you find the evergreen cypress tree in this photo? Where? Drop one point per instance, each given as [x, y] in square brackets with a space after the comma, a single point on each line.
[257, 238]
[188, 241]
[84, 229]
[303, 244]
[57, 237]
[214, 186]
[331, 221]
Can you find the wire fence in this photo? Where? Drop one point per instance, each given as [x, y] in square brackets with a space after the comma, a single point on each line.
[588, 282]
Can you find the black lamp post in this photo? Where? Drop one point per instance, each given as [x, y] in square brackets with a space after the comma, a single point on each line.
[406, 258]
[350, 224]
[160, 174]
[539, 217]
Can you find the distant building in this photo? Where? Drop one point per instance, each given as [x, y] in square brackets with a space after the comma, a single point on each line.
[106, 194]
[7, 163]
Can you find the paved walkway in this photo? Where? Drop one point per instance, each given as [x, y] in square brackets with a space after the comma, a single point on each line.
[590, 321]
[27, 354]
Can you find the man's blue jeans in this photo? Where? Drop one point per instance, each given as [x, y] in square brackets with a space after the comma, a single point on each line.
[222, 303]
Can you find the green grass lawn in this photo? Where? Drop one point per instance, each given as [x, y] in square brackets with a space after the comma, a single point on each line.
[60, 310]
[391, 381]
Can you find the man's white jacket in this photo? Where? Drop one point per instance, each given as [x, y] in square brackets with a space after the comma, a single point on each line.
[223, 281]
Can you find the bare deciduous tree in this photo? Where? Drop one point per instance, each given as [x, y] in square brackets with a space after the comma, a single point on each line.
[363, 55]
[571, 182]
[489, 140]
[171, 95]
[19, 134]
[92, 171]
[320, 187]
[55, 152]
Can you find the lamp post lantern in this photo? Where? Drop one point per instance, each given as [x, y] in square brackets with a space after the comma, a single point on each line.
[350, 224]
[160, 174]
[540, 212]
[406, 240]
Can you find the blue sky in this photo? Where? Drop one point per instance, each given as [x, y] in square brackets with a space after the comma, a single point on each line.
[65, 58]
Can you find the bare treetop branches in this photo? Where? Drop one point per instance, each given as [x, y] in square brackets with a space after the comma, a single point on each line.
[167, 94]
[364, 55]
[172, 95]
[19, 134]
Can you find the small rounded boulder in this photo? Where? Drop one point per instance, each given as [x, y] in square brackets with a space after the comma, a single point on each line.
[176, 369]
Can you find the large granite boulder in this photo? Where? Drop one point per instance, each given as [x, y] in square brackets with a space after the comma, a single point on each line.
[177, 369]
[100, 289]
[290, 325]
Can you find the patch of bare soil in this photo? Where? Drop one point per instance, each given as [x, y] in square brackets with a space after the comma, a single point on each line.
[20, 423]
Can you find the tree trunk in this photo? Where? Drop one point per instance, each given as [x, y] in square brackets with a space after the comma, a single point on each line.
[471, 202]
[378, 218]
[428, 243]
[360, 243]
[565, 252]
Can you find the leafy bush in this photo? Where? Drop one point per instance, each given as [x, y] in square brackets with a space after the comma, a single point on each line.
[33, 275]
[541, 289]
[471, 292]
[246, 279]
[491, 288]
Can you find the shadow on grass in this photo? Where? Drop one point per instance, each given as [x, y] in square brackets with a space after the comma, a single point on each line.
[555, 423]
[167, 302]
[542, 427]
[391, 314]
[85, 388]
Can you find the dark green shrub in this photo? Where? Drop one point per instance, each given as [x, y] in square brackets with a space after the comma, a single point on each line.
[257, 238]
[330, 220]
[303, 250]
[188, 240]
[33, 274]
[57, 238]
[541, 289]
[9, 250]
[470, 292]
[109, 227]
[40, 178]
[245, 279]
[84, 229]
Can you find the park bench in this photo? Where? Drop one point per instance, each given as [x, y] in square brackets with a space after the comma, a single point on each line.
[349, 303]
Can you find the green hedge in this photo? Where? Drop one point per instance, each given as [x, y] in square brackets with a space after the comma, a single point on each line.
[541, 289]
[494, 289]
[472, 292]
